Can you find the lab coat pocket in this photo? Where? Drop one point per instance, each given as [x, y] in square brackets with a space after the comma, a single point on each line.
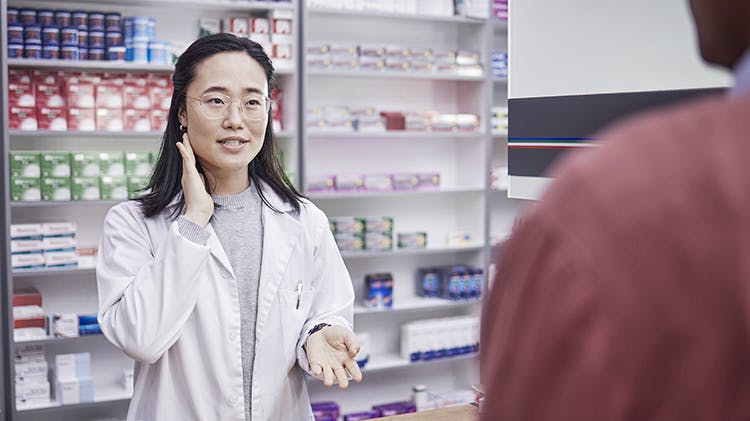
[294, 310]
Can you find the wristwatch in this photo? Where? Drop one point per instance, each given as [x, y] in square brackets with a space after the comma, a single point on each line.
[317, 327]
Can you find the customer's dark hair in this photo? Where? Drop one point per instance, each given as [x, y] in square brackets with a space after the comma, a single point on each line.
[165, 184]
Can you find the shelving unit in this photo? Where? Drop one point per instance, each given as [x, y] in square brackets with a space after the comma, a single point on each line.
[74, 290]
[463, 202]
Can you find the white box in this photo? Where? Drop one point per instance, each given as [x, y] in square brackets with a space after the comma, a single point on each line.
[64, 325]
[28, 312]
[57, 229]
[26, 246]
[73, 391]
[27, 261]
[35, 391]
[60, 259]
[59, 244]
[30, 349]
[25, 230]
[30, 368]
[29, 334]
[73, 366]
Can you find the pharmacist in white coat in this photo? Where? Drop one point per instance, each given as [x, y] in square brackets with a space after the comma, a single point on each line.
[221, 281]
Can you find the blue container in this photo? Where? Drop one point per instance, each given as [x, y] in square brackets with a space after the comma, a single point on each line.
[51, 52]
[15, 50]
[63, 18]
[140, 29]
[69, 36]
[158, 52]
[80, 18]
[32, 34]
[13, 16]
[151, 29]
[83, 53]
[51, 36]
[113, 21]
[96, 39]
[45, 17]
[32, 51]
[114, 39]
[83, 38]
[15, 34]
[140, 52]
[27, 16]
[69, 52]
[116, 53]
[96, 21]
[96, 54]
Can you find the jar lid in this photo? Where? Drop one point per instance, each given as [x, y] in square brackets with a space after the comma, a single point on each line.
[51, 28]
[70, 48]
[33, 46]
[70, 29]
[33, 26]
[116, 49]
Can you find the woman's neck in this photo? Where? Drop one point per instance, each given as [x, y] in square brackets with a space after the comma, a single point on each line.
[228, 184]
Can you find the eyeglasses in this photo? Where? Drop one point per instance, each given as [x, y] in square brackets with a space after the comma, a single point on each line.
[215, 106]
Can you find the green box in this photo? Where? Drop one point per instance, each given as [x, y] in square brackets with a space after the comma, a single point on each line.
[138, 164]
[56, 188]
[84, 188]
[25, 189]
[84, 164]
[113, 188]
[55, 164]
[111, 164]
[25, 164]
[136, 185]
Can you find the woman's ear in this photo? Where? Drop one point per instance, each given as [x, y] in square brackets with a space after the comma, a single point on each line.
[182, 117]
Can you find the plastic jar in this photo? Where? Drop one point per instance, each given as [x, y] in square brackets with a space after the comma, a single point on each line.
[69, 36]
[51, 52]
[32, 51]
[80, 18]
[51, 35]
[63, 18]
[116, 53]
[69, 52]
[45, 17]
[96, 21]
[96, 39]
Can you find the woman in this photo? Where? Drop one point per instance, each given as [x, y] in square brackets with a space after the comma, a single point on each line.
[222, 282]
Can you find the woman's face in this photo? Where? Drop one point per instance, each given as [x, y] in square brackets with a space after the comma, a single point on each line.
[225, 143]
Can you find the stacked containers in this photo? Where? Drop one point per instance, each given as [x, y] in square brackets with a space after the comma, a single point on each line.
[141, 45]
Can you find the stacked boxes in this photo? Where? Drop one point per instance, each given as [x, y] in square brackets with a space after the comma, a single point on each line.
[393, 58]
[345, 119]
[32, 384]
[38, 246]
[88, 101]
[412, 240]
[373, 182]
[500, 64]
[460, 282]
[499, 120]
[363, 233]
[29, 320]
[63, 176]
[273, 32]
[430, 339]
[73, 378]
[411, 7]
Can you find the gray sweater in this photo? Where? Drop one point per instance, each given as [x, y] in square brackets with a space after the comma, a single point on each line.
[238, 223]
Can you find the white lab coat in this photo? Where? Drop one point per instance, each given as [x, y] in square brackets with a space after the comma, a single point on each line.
[172, 305]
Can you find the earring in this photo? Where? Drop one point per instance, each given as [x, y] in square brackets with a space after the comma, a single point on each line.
[182, 128]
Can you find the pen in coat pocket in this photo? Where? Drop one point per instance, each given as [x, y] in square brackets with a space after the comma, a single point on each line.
[299, 293]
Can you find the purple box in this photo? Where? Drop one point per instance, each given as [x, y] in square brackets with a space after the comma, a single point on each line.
[405, 181]
[379, 182]
[350, 182]
[362, 416]
[427, 181]
[395, 408]
[325, 411]
[321, 183]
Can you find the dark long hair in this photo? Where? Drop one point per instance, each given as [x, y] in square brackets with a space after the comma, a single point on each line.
[165, 184]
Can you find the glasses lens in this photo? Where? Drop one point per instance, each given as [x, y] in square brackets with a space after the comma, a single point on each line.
[253, 107]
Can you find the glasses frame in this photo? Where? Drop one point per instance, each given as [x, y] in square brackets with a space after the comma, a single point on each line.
[231, 101]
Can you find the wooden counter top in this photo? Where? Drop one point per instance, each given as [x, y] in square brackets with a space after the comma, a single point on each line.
[454, 413]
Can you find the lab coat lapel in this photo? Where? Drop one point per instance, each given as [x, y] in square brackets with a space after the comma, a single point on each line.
[217, 250]
[281, 232]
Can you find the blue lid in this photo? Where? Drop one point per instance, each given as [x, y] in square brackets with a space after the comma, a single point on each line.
[118, 32]
[70, 48]
[116, 49]
[28, 11]
[80, 12]
[51, 47]
[96, 50]
[96, 13]
[96, 32]
[12, 10]
[51, 28]
[33, 46]
[15, 46]
[83, 29]
[33, 26]
[15, 27]
[70, 29]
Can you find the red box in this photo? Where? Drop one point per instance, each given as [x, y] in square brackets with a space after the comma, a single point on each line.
[162, 81]
[259, 26]
[394, 120]
[282, 51]
[109, 120]
[21, 95]
[236, 25]
[109, 97]
[282, 26]
[159, 120]
[33, 322]
[137, 120]
[115, 78]
[161, 98]
[27, 297]
[52, 118]
[136, 97]
[22, 118]
[82, 119]
[85, 77]
[24, 77]
[48, 78]
[79, 95]
[138, 79]
[50, 96]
